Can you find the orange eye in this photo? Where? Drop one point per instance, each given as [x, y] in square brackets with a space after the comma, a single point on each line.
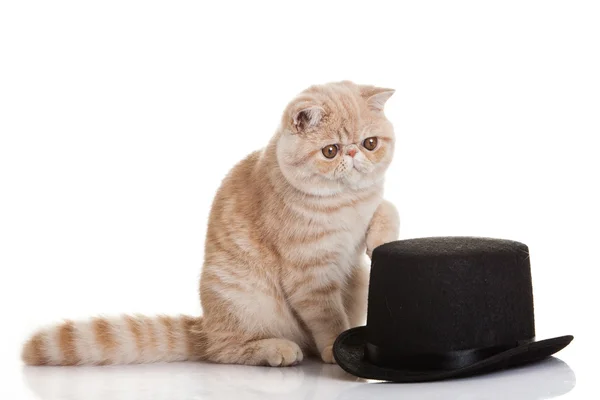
[330, 151]
[370, 143]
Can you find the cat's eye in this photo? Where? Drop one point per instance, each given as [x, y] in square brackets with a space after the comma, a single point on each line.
[330, 151]
[370, 143]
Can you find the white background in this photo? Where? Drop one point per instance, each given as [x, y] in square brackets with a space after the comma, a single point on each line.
[118, 119]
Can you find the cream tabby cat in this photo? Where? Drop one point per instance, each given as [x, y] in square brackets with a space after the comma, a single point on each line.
[285, 269]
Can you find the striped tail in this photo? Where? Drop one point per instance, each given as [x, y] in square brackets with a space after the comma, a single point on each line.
[122, 340]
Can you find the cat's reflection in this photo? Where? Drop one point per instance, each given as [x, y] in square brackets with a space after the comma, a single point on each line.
[181, 381]
[312, 380]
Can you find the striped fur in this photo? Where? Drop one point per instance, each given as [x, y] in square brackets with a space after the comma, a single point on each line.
[285, 268]
[103, 341]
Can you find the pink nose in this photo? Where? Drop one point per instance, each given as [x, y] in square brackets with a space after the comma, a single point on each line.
[351, 152]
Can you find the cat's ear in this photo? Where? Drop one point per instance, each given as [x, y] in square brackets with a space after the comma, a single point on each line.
[376, 97]
[307, 117]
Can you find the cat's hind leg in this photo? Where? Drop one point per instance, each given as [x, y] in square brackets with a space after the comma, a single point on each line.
[229, 348]
[246, 320]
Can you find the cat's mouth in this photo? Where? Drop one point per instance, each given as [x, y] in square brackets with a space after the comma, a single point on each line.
[360, 167]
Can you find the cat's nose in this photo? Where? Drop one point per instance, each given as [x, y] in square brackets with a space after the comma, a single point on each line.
[351, 152]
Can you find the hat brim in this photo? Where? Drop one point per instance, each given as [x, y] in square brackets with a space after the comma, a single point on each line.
[348, 351]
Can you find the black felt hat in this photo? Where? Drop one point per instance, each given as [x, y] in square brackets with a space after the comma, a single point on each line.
[445, 307]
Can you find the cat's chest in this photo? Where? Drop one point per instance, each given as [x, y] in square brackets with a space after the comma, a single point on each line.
[328, 233]
[354, 219]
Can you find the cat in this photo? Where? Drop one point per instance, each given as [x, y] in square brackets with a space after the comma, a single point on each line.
[286, 267]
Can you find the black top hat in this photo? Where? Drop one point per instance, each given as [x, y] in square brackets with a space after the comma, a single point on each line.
[445, 307]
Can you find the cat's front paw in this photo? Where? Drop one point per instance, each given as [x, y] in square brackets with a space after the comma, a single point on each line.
[370, 251]
[327, 355]
[377, 238]
[383, 228]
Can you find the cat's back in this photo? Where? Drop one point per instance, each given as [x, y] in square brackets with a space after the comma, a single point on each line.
[237, 189]
[238, 179]
[235, 212]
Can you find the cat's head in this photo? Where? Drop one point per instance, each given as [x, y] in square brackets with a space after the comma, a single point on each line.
[335, 138]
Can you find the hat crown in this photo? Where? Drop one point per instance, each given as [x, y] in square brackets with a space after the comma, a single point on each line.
[443, 294]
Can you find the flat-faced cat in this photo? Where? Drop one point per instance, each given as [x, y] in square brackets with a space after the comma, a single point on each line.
[285, 269]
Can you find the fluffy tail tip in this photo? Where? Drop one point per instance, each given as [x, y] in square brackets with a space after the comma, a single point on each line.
[31, 353]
